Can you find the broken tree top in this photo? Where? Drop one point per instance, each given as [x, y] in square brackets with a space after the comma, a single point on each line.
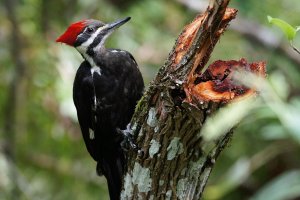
[192, 52]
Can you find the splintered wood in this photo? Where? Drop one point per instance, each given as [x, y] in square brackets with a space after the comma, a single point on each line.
[186, 38]
[218, 84]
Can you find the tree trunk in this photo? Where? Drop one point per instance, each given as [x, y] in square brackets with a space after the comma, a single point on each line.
[174, 162]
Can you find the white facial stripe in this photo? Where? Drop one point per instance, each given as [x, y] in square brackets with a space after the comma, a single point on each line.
[92, 38]
[83, 47]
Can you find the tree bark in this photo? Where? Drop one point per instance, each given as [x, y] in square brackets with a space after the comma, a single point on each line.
[174, 162]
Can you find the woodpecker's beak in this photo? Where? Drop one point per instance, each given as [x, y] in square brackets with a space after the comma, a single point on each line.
[117, 23]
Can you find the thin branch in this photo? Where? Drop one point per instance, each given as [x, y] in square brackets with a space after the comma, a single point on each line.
[295, 48]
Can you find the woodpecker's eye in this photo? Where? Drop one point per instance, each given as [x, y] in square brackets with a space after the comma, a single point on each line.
[90, 29]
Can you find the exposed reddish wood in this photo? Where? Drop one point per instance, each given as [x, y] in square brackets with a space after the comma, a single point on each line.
[218, 84]
[200, 23]
[219, 88]
[205, 50]
[202, 50]
[186, 38]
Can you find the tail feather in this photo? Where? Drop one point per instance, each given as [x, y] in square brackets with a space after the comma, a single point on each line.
[113, 169]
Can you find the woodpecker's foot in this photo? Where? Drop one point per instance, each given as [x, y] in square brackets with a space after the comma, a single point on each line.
[127, 139]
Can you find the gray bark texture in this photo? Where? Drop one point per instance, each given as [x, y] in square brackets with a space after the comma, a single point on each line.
[174, 162]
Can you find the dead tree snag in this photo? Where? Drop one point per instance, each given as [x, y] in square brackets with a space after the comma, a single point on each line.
[176, 162]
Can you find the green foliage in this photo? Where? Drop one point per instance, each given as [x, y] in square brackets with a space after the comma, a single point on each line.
[265, 146]
[273, 103]
[227, 118]
[286, 28]
[286, 186]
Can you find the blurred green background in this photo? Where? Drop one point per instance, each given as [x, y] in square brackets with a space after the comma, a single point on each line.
[42, 154]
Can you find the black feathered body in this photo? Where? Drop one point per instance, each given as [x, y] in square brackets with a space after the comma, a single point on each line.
[105, 96]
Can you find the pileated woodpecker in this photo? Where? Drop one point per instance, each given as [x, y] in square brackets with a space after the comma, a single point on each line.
[107, 86]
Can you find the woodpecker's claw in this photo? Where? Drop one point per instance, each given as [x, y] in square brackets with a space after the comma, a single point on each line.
[127, 139]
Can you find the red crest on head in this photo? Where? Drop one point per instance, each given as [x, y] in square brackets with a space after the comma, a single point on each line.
[70, 35]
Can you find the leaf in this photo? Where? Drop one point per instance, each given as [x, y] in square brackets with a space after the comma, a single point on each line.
[226, 118]
[286, 186]
[286, 28]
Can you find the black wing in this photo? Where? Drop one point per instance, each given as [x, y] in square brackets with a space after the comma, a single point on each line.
[122, 84]
[83, 99]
